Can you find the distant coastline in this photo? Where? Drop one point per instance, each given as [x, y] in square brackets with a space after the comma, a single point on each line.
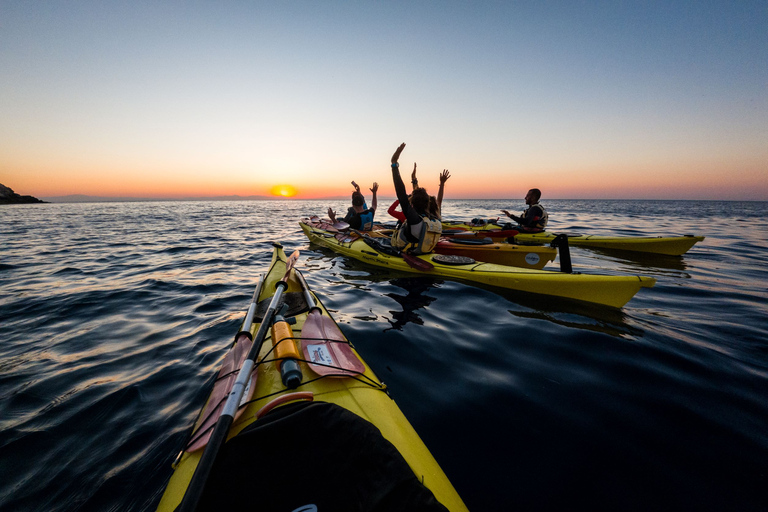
[8, 196]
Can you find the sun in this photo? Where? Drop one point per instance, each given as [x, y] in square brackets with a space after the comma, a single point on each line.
[283, 191]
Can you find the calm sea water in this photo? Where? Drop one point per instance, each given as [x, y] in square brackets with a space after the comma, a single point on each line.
[114, 318]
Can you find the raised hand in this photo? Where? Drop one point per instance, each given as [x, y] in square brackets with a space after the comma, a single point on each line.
[444, 176]
[413, 174]
[374, 188]
[399, 150]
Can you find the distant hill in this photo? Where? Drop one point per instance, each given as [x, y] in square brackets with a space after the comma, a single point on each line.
[8, 196]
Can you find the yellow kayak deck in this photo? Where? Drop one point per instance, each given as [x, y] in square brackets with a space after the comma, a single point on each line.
[607, 290]
[668, 245]
[364, 395]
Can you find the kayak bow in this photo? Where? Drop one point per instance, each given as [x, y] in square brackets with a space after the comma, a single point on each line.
[337, 441]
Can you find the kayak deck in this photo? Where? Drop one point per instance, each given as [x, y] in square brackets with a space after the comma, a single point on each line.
[483, 249]
[607, 290]
[362, 394]
[667, 245]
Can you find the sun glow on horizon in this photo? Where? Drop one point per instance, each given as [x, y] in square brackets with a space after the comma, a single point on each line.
[283, 191]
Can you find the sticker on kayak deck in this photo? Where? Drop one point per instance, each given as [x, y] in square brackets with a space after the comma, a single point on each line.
[532, 258]
[319, 354]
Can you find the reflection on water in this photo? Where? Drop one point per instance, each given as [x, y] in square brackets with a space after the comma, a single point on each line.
[115, 317]
[412, 301]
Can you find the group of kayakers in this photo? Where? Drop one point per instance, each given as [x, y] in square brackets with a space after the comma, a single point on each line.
[419, 224]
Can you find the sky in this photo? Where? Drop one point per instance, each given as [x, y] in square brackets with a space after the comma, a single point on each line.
[584, 100]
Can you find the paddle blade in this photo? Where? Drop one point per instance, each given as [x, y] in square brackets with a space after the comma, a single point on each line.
[417, 263]
[341, 225]
[224, 381]
[325, 345]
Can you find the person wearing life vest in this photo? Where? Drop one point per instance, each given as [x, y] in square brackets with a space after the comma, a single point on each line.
[534, 218]
[359, 216]
[421, 231]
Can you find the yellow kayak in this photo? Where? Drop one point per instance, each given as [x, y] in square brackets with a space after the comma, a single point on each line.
[315, 426]
[669, 245]
[607, 290]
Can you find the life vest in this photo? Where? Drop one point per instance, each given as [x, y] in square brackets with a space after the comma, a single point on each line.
[366, 220]
[537, 225]
[362, 221]
[429, 234]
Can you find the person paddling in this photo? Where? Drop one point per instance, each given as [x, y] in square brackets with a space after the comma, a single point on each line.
[359, 216]
[534, 218]
[421, 231]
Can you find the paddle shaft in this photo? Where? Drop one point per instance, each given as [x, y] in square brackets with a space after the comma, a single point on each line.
[220, 431]
[307, 294]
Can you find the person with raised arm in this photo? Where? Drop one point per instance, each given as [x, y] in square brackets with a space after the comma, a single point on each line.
[421, 230]
[359, 216]
[435, 203]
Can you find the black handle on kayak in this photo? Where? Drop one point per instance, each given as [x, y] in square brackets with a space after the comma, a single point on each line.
[561, 243]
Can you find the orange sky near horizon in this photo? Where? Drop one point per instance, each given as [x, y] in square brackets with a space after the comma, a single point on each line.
[697, 180]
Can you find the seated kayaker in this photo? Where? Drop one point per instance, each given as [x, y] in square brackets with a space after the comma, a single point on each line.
[421, 231]
[534, 218]
[359, 216]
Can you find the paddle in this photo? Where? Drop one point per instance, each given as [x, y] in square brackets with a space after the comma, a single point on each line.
[219, 435]
[411, 260]
[226, 378]
[324, 344]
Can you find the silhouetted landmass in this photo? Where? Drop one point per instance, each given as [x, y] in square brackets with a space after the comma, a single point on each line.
[8, 196]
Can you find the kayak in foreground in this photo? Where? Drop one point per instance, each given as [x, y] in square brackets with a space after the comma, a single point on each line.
[315, 428]
[669, 245]
[614, 291]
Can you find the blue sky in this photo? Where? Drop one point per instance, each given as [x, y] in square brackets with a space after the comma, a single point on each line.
[582, 99]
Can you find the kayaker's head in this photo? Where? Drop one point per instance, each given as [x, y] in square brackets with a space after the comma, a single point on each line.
[357, 199]
[533, 196]
[420, 201]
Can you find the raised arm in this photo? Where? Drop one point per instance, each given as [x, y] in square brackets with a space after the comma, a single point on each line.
[443, 178]
[414, 179]
[402, 195]
[374, 189]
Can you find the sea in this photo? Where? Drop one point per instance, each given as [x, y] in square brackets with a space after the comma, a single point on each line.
[114, 318]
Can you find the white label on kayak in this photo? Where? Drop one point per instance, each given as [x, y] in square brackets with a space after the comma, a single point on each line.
[532, 258]
[319, 354]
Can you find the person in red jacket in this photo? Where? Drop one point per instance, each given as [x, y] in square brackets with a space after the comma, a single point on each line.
[435, 203]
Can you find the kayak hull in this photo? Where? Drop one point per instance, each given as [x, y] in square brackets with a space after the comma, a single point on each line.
[667, 245]
[366, 396]
[607, 290]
